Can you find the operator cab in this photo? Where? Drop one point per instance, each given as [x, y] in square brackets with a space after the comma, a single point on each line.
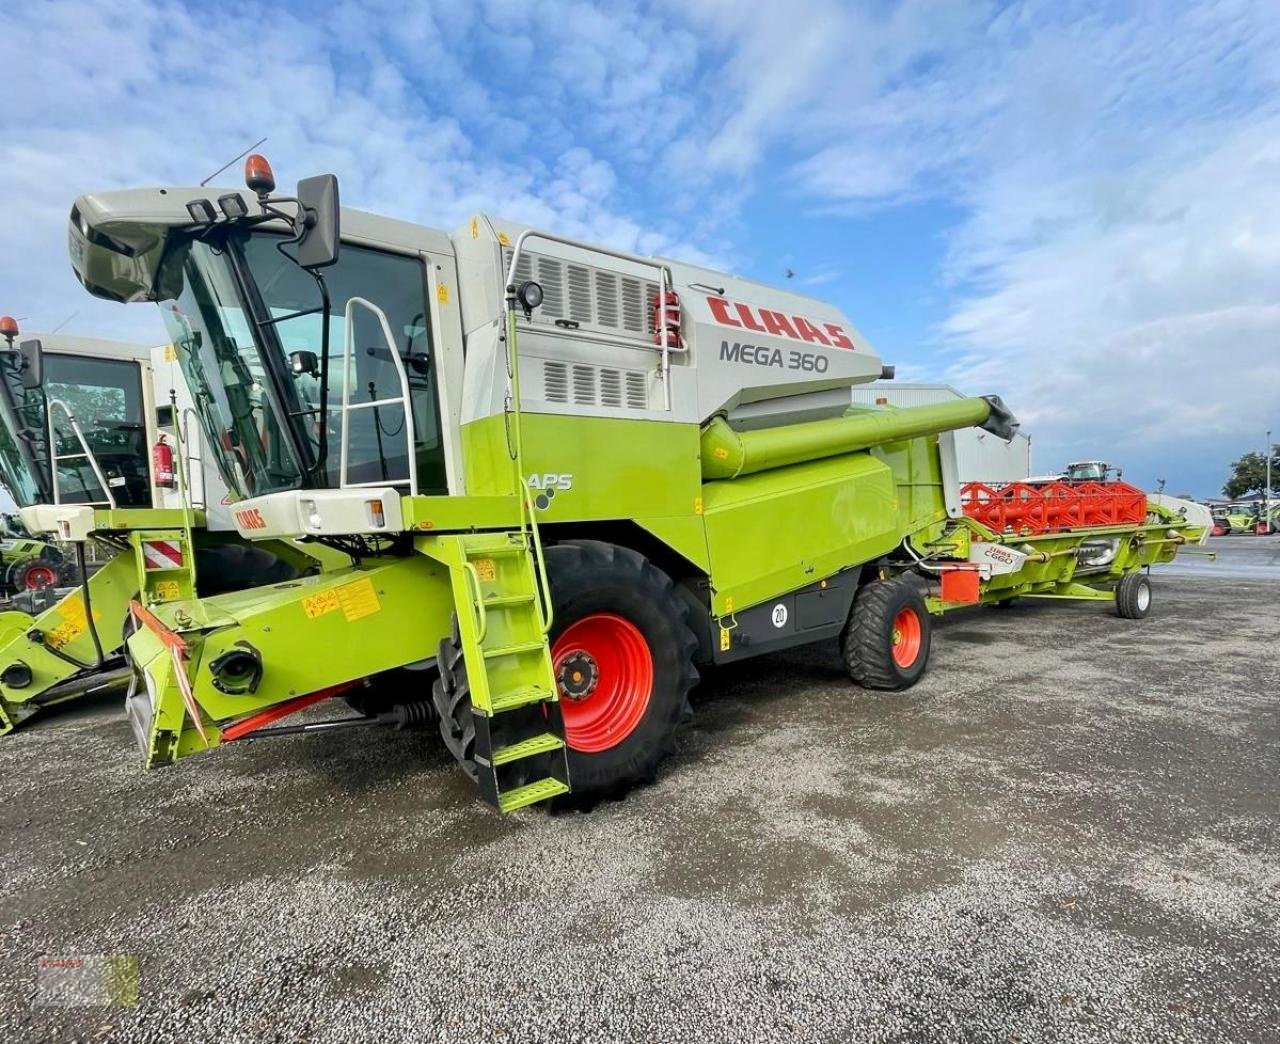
[263, 308]
[1091, 471]
[73, 425]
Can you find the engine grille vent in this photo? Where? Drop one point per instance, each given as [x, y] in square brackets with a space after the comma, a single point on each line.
[588, 295]
[580, 384]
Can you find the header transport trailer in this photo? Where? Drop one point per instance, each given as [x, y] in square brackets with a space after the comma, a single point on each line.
[91, 449]
[568, 477]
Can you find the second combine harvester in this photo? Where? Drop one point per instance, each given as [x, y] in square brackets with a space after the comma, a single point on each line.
[568, 477]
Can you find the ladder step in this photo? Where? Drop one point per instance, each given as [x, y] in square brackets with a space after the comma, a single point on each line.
[519, 698]
[504, 601]
[512, 650]
[531, 793]
[526, 748]
[497, 551]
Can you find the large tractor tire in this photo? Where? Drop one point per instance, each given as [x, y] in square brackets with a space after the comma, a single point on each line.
[222, 568]
[886, 642]
[1133, 596]
[623, 655]
[35, 575]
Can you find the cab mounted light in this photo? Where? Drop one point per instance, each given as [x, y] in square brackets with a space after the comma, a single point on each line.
[258, 175]
[8, 328]
[202, 212]
[233, 206]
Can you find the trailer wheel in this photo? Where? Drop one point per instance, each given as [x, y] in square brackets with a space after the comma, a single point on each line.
[238, 567]
[886, 643]
[1133, 596]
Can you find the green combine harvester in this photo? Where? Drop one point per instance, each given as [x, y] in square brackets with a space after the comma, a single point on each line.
[90, 451]
[568, 478]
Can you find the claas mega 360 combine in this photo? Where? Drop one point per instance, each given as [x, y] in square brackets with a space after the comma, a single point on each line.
[91, 451]
[568, 477]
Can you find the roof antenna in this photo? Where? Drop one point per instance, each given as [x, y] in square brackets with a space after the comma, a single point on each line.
[65, 321]
[231, 161]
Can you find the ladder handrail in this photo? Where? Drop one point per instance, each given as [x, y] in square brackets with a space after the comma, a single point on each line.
[183, 428]
[666, 281]
[54, 456]
[348, 355]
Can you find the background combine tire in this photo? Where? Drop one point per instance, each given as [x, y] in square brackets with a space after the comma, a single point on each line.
[238, 567]
[886, 642]
[35, 576]
[1133, 596]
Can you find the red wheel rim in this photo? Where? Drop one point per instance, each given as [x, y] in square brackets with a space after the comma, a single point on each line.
[906, 637]
[604, 670]
[39, 577]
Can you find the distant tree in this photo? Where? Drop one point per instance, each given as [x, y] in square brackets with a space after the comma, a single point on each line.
[1249, 474]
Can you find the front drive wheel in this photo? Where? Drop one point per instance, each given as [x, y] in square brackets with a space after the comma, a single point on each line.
[886, 642]
[622, 653]
[1133, 596]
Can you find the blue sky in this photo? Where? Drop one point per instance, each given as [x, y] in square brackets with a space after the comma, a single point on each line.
[1076, 205]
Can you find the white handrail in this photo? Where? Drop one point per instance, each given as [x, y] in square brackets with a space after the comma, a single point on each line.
[665, 282]
[348, 355]
[189, 457]
[54, 456]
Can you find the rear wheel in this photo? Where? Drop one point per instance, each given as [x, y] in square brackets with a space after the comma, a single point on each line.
[1133, 596]
[886, 643]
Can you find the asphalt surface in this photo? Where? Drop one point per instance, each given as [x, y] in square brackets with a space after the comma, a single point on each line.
[1068, 831]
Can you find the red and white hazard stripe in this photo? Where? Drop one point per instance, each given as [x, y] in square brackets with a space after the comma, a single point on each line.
[162, 554]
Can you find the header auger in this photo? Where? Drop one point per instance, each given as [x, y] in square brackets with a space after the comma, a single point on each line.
[567, 476]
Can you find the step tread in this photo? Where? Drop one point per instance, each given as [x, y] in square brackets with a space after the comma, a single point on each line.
[505, 601]
[530, 793]
[511, 650]
[539, 744]
[519, 698]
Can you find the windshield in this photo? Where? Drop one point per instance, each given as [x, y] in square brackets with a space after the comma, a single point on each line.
[23, 460]
[246, 391]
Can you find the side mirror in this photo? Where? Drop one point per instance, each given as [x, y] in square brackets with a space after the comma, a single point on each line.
[32, 356]
[318, 200]
[304, 363]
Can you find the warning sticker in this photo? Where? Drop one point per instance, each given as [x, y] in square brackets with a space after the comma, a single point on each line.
[74, 623]
[319, 604]
[358, 599]
[165, 590]
[486, 570]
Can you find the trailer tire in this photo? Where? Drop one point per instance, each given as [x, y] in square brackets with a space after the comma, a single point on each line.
[885, 644]
[223, 568]
[1133, 596]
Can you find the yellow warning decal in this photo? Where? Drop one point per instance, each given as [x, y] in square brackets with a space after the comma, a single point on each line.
[442, 293]
[697, 505]
[725, 640]
[486, 570]
[319, 604]
[170, 353]
[168, 589]
[358, 599]
[74, 622]
[475, 228]
[502, 238]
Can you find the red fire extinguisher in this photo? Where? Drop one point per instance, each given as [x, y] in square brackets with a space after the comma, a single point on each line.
[162, 464]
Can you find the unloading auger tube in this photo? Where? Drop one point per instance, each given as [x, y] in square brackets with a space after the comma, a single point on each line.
[728, 454]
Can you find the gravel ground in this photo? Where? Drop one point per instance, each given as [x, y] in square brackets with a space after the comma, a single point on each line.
[1067, 831]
